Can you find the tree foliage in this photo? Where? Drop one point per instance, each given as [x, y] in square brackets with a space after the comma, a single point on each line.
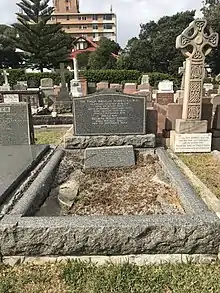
[102, 58]
[8, 55]
[46, 44]
[211, 12]
[154, 49]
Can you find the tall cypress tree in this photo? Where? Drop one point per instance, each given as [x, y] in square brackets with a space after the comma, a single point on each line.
[45, 44]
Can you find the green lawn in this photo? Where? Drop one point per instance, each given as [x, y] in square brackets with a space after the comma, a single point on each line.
[49, 136]
[206, 167]
[78, 277]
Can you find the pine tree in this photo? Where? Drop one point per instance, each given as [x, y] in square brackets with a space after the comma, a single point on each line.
[45, 44]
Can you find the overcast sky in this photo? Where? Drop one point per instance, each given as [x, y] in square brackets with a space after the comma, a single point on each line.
[130, 13]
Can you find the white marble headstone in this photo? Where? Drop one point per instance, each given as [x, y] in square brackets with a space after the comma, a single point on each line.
[165, 86]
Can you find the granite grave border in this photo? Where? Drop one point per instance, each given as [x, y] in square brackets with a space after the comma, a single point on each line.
[196, 232]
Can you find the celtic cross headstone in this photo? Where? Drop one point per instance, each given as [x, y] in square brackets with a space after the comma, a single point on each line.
[196, 42]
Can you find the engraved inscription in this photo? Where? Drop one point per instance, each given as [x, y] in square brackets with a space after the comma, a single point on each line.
[109, 114]
[5, 109]
[192, 143]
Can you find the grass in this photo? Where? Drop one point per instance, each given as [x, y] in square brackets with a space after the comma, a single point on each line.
[49, 136]
[207, 168]
[81, 277]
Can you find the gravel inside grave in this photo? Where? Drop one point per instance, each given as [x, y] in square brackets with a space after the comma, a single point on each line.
[139, 190]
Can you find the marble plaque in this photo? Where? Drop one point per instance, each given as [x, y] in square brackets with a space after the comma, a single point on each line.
[11, 98]
[191, 143]
[109, 114]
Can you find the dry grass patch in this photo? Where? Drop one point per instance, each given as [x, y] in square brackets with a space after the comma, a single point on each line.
[32, 279]
[84, 277]
[49, 136]
[206, 167]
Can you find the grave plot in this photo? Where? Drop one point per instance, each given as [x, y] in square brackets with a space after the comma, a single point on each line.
[141, 189]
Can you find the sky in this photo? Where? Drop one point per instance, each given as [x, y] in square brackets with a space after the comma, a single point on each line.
[130, 13]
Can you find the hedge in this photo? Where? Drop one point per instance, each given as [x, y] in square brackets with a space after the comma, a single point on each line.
[112, 76]
[20, 75]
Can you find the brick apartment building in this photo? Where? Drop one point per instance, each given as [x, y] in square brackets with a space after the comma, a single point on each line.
[89, 25]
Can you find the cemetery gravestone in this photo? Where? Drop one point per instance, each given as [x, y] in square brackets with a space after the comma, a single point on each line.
[75, 88]
[6, 85]
[16, 126]
[32, 84]
[11, 98]
[208, 87]
[46, 85]
[109, 157]
[202, 40]
[165, 86]
[109, 114]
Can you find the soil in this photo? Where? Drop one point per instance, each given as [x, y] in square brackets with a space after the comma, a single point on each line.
[139, 190]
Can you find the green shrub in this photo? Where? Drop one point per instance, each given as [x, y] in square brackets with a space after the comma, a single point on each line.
[19, 75]
[112, 76]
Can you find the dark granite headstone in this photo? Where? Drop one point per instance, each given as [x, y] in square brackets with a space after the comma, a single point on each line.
[216, 121]
[32, 83]
[16, 126]
[109, 114]
[16, 162]
[109, 157]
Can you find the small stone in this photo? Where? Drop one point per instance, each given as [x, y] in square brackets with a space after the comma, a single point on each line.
[68, 191]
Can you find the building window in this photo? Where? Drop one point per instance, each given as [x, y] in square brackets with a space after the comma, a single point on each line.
[95, 26]
[67, 17]
[107, 26]
[67, 8]
[95, 17]
[83, 27]
[82, 18]
[67, 1]
[68, 27]
[107, 17]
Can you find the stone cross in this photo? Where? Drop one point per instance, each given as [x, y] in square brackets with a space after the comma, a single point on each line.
[182, 71]
[195, 42]
[5, 74]
[62, 75]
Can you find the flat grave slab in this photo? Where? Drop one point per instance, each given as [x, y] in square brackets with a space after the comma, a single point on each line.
[16, 162]
[109, 114]
[109, 157]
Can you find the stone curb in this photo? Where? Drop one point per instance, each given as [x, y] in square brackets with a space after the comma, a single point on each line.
[196, 232]
[206, 194]
[36, 193]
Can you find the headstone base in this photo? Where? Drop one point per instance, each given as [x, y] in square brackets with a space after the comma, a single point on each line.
[109, 157]
[190, 142]
[191, 126]
[216, 143]
[83, 142]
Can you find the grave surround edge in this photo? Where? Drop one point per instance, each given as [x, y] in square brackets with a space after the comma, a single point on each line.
[197, 232]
